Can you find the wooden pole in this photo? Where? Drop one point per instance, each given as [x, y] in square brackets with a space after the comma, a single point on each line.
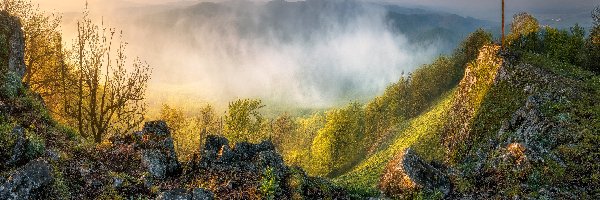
[502, 24]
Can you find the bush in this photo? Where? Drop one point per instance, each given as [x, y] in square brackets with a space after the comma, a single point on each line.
[244, 121]
[10, 85]
[7, 141]
[469, 48]
[35, 146]
[523, 24]
[269, 184]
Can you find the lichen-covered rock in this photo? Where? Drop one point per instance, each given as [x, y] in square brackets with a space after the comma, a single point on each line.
[18, 151]
[27, 182]
[408, 174]
[158, 128]
[155, 162]
[240, 170]
[14, 41]
[176, 194]
[12, 48]
[202, 194]
[158, 152]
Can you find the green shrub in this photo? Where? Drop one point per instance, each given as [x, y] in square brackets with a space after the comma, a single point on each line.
[3, 49]
[60, 190]
[10, 85]
[469, 49]
[269, 184]
[69, 131]
[35, 145]
[244, 121]
[7, 141]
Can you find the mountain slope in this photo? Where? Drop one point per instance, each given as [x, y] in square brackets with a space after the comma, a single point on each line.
[364, 178]
[522, 125]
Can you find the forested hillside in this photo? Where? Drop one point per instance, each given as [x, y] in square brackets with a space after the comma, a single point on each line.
[492, 119]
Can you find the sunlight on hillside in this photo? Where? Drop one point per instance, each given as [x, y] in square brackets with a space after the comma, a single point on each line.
[365, 176]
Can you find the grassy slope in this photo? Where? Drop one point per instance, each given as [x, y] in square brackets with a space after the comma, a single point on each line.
[363, 179]
[497, 107]
[576, 144]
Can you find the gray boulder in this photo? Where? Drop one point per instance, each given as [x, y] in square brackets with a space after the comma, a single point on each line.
[16, 44]
[155, 163]
[176, 194]
[202, 194]
[158, 152]
[18, 152]
[408, 174]
[28, 181]
[158, 128]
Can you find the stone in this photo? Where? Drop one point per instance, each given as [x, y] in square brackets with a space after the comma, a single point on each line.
[154, 161]
[159, 128]
[214, 143]
[158, 151]
[202, 194]
[18, 153]
[28, 181]
[244, 150]
[117, 182]
[16, 44]
[408, 174]
[265, 146]
[176, 194]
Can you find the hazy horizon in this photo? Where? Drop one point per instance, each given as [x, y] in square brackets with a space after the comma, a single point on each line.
[193, 63]
[488, 10]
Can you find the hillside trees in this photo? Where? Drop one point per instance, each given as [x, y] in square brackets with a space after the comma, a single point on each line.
[189, 130]
[523, 24]
[593, 43]
[90, 87]
[564, 45]
[44, 54]
[339, 144]
[243, 121]
[412, 94]
[297, 151]
[282, 128]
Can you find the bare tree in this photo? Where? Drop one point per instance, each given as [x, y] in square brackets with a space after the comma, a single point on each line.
[109, 93]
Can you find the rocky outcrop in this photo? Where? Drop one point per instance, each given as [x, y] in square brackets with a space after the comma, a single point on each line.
[18, 150]
[27, 182]
[240, 167]
[240, 170]
[202, 194]
[408, 174]
[158, 152]
[478, 79]
[177, 194]
[180, 194]
[12, 36]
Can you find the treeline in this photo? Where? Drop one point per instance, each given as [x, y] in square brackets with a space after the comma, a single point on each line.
[92, 86]
[568, 46]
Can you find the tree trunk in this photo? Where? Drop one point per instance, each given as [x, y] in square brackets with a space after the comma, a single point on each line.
[502, 24]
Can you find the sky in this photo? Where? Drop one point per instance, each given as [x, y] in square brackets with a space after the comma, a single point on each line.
[483, 9]
[195, 61]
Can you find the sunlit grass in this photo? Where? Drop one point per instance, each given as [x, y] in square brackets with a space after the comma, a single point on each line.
[364, 177]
